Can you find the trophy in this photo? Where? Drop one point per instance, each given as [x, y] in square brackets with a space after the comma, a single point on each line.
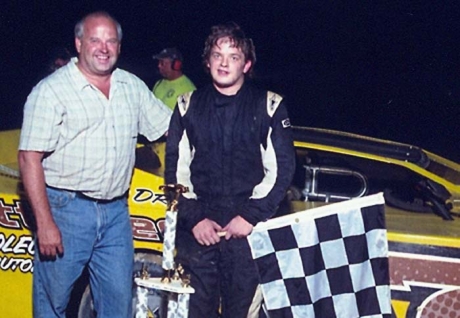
[174, 281]
[172, 192]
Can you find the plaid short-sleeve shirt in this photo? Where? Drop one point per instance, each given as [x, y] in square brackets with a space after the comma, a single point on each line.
[90, 139]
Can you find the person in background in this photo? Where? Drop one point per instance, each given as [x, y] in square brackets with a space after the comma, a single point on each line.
[230, 143]
[76, 157]
[58, 58]
[168, 89]
[174, 81]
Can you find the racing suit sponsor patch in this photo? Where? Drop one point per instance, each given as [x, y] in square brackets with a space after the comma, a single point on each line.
[286, 123]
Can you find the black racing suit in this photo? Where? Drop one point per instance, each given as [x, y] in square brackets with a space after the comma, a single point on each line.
[236, 155]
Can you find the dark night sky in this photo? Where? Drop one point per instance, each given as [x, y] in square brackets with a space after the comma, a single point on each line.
[387, 69]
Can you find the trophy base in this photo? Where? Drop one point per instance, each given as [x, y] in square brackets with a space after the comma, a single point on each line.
[175, 286]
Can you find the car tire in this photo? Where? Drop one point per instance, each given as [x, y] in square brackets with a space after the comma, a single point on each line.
[156, 299]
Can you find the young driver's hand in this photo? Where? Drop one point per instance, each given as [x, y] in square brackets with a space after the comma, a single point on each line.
[237, 228]
[205, 232]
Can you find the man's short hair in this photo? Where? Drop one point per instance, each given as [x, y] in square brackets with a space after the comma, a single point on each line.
[79, 27]
[238, 38]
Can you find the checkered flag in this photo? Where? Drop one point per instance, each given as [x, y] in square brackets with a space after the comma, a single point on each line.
[330, 261]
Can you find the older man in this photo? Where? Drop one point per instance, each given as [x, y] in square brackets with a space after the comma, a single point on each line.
[76, 159]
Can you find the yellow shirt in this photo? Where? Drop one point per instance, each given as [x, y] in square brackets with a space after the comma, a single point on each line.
[168, 91]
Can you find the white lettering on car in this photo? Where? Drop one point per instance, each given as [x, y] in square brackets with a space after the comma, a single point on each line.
[25, 265]
[21, 246]
[17, 253]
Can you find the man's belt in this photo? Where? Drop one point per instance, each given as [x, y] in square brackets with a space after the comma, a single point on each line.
[83, 196]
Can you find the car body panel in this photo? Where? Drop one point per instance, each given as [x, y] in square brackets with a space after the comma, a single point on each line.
[147, 205]
[424, 248]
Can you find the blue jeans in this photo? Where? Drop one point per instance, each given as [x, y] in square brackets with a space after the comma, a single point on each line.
[94, 234]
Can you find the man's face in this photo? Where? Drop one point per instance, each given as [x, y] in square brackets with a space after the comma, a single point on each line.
[99, 47]
[165, 68]
[227, 66]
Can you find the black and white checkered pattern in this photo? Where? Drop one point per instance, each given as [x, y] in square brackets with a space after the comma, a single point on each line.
[169, 240]
[326, 262]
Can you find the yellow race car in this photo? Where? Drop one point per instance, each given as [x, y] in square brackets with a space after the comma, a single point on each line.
[422, 195]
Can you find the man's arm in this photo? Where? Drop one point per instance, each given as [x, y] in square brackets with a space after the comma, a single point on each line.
[154, 116]
[33, 178]
[177, 170]
[278, 161]
[179, 155]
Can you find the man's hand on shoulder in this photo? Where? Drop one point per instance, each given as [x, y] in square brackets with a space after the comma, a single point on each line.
[205, 232]
[238, 227]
